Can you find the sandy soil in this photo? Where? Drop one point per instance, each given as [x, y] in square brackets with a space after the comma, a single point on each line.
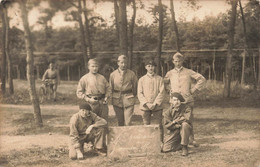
[227, 137]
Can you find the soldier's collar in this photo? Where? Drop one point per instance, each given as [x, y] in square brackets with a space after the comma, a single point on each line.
[150, 75]
[179, 69]
[121, 71]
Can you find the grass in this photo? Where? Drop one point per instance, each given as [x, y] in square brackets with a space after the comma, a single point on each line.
[214, 128]
[211, 95]
[228, 130]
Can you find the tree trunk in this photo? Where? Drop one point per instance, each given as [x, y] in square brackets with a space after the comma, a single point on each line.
[18, 71]
[30, 62]
[228, 68]
[160, 38]
[246, 49]
[258, 24]
[82, 36]
[8, 56]
[175, 28]
[68, 73]
[116, 9]
[123, 28]
[243, 68]
[132, 35]
[245, 45]
[3, 66]
[213, 66]
[88, 33]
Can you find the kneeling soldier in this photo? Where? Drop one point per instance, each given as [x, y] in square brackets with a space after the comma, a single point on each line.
[86, 126]
[177, 125]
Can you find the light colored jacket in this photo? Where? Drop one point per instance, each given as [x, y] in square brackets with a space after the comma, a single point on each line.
[181, 81]
[93, 84]
[150, 90]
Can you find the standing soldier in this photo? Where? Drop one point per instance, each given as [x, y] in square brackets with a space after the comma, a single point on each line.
[51, 76]
[180, 80]
[150, 93]
[123, 83]
[94, 89]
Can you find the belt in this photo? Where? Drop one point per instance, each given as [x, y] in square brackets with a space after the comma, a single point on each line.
[97, 97]
[124, 92]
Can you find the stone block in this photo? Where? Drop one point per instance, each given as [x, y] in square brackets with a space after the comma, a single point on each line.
[133, 141]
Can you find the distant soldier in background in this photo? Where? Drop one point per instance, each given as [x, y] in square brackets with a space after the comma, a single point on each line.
[180, 80]
[123, 83]
[95, 90]
[51, 77]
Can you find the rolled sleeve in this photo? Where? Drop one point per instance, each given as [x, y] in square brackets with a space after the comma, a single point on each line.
[74, 135]
[200, 81]
[108, 89]
[140, 93]
[160, 97]
[98, 121]
[81, 89]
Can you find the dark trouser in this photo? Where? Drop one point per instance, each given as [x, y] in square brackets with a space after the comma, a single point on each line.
[157, 119]
[173, 139]
[191, 105]
[96, 137]
[100, 109]
[124, 115]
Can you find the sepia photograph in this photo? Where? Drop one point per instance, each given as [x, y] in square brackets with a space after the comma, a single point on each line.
[134, 83]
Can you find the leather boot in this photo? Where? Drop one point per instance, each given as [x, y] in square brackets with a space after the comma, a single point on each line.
[184, 150]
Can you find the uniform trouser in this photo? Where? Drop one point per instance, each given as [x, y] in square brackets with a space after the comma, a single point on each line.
[100, 109]
[124, 115]
[191, 105]
[157, 119]
[96, 137]
[176, 137]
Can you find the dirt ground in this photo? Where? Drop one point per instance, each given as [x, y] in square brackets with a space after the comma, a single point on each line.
[227, 137]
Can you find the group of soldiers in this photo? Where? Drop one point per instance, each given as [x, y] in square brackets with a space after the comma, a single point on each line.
[94, 91]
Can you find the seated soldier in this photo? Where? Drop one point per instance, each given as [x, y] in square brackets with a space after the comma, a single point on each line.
[86, 126]
[177, 125]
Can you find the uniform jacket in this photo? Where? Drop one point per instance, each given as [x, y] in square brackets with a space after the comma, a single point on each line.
[124, 87]
[179, 115]
[79, 125]
[93, 84]
[150, 89]
[181, 82]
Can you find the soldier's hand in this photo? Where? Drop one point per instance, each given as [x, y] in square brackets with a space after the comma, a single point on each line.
[89, 129]
[149, 105]
[92, 100]
[105, 100]
[177, 126]
[152, 106]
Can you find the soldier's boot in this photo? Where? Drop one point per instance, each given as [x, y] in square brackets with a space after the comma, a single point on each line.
[184, 150]
[79, 154]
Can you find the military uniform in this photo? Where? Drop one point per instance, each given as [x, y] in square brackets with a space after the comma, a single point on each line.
[123, 85]
[78, 127]
[175, 136]
[151, 90]
[180, 80]
[95, 85]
